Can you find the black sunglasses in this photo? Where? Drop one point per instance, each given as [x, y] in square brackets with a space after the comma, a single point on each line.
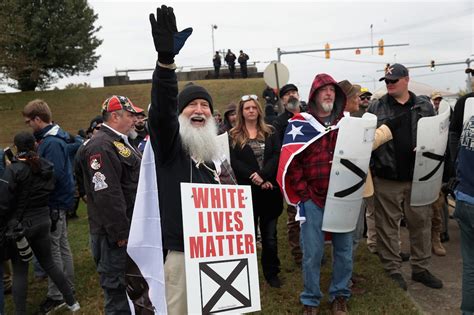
[364, 97]
[388, 81]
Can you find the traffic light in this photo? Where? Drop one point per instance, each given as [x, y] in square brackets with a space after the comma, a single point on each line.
[327, 52]
[432, 67]
[381, 47]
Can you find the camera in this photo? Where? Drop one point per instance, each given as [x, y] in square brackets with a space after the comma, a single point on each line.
[9, 154]
[16, 232]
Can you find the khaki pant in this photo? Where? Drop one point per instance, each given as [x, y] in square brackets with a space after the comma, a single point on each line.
[175, 283]
[392, 199]
[437, 221]
[370, 220]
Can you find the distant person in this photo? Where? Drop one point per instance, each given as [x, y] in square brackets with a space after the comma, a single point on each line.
[290, 99]
[230, 118]
[307, 177]
[53, 145]
[218, 117]
[24, 192]
[140, 130]
[243, 57]
[436, 99]
[254, 155]
[269, 95]
[393, 167]
[216, 61]
[270, 114]
[230, 60]
[464, 211]
[364, 101]
[110, 168]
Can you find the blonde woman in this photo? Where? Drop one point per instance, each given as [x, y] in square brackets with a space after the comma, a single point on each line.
[255, 151]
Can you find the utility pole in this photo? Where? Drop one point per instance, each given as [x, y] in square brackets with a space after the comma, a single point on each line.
[213, 27]
[372, 37]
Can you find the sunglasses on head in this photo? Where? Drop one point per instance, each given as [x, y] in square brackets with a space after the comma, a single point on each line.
[246, 98]
[388, 81]
[364, 97]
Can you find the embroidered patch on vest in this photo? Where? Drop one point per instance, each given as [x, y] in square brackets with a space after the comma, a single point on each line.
[122, 149]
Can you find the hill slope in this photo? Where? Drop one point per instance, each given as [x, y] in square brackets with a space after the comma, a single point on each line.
[73, 109]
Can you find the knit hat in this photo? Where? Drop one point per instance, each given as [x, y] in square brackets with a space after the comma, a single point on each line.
[94, 122]
[190, 93]
[286, 88]
[24, 141]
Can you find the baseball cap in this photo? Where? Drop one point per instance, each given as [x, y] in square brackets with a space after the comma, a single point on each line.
[118, 102]
[365, 91]
[395, 71]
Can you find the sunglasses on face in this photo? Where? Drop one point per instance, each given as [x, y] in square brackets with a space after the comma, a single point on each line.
[246, 98]
[388, 81]
[364, 97]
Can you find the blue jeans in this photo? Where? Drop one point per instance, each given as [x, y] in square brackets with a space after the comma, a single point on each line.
[464, 214]
[312, 243]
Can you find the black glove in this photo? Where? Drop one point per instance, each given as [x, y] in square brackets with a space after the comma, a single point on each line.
[395, 122]
[168, 42]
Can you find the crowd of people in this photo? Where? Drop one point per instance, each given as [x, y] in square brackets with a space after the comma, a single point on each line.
[39, 181]
[230, 59]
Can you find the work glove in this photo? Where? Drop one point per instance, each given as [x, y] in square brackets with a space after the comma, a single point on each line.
[168, 42]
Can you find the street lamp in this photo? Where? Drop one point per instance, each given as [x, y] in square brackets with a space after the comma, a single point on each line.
[370, 77]
[213, 27]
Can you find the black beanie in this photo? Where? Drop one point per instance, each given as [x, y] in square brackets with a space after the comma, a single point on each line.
[192, 92]
[24, 142]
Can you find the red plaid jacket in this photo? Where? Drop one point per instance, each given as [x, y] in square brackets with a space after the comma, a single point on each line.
[309, 171]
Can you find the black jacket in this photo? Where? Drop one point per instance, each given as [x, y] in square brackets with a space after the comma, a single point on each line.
[23, 190]
[244, 163]
[173, 163]
[384, 162]
[110, 171]
[281, 122]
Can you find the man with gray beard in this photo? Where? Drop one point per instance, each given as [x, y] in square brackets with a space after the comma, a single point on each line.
[291, 101]
[183, 137]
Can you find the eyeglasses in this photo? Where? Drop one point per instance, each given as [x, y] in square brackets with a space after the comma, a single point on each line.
[388, 81]
[364, 97]
[246, 98]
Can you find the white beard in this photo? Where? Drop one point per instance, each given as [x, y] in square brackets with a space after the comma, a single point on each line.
[327, 107]
[199, 142]
[132, 134]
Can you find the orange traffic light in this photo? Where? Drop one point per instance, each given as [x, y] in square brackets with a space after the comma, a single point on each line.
[327, 52]
[381, 47]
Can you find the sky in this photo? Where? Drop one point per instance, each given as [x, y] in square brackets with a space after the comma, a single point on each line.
[435, 30]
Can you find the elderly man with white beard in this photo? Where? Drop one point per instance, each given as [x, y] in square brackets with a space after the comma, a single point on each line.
[183, 136]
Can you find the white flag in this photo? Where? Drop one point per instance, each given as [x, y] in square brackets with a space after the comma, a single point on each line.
[144, 242]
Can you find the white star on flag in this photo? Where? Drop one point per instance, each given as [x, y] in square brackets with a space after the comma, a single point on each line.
[295, 131]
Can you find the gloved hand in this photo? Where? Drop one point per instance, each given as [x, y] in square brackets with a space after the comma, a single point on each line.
[395, 122]
[168, 42]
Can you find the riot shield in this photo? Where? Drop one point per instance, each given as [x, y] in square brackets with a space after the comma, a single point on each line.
[348, 173]
[431, 141]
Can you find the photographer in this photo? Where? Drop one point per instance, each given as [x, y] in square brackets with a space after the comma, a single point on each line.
[24, 193]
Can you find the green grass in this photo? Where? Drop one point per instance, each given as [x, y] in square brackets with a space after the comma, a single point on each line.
[73, 109]
[382, 296]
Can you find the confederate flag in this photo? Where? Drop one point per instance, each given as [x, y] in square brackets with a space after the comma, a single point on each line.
[302, 130]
